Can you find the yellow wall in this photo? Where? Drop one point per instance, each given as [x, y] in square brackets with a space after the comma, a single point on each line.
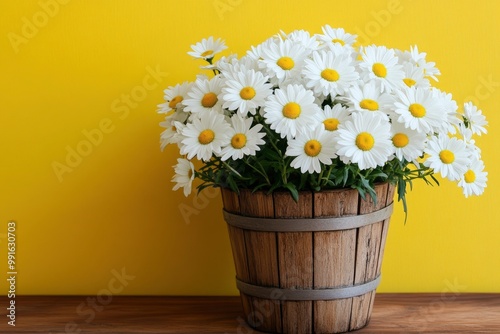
[85, 69]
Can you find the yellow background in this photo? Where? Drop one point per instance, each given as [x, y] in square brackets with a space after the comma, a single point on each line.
[114, 209]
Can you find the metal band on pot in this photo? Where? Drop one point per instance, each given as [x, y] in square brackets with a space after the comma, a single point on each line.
[307, 224]
[310, 294]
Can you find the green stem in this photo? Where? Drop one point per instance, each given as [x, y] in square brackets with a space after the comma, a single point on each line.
[272, 140]
[232, 169]
[261, 172]
[285, 161]
[327, 177]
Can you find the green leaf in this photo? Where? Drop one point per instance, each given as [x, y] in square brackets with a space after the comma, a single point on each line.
[402, 196]
[293, 191]
[346, 177]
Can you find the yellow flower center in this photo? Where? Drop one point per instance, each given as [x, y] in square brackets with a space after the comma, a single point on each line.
[247, 93]
[206, 137]
[336, 40]
[379, 69]
[239, 140]
[369, 104]
[365, 141]
[417, 110]
[286, 63]
[470, 176]
[409, 82]
[312, 147]
[331, 124]
[209, 100]
[207, 53]
[174, 101]
[291, 110]
[446, 156]
[330, 75]
[400, 140]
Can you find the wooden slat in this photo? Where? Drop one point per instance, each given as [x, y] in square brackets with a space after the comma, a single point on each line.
[367, 256]
[368, 205]
[236, 235]
[295, 260]
[336, 203]
[385, 229]
[334, 256]
[258, 204]
[230, 200]
[262, 260]
[237, 239]
[295, 251]
[231, 204]
[334, 315]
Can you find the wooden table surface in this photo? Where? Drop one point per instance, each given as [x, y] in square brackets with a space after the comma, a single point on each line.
[392, 313]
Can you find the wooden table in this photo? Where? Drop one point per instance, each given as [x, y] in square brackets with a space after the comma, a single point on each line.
[392, 313]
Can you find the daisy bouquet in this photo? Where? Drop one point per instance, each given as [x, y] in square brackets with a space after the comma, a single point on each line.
[302, 111]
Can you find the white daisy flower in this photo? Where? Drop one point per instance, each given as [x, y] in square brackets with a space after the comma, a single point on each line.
[302, 37]
[184, 175]
[247, 92]
[229, 70]
[178, 126]
[380, 64]
[408, 144]
[204, 96]
[449, 107]
[333, 117]
[174, 97]
[429, 68]
[342, 51]
[414, 76]
[244, 139]
[283, 60]
[328, 74]
[207, 48]
[448, 156]
[255, 52]
[222, 63]
[364, 140]
[418, 109]
[171, 134]
[291, 110]
[473, 181]
[311, 149]
[206, 135]
[369, 99]
[336, 36]
[467, 134]
[474, 119]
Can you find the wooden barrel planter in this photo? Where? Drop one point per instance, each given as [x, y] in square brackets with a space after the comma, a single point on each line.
[310, 266]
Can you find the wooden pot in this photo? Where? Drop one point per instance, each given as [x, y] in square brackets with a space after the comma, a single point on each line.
[310, 266]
